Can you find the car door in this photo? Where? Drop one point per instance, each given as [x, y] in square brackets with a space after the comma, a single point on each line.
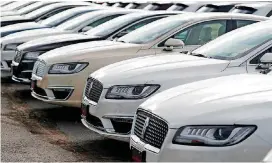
[197, 35]
[254, 61]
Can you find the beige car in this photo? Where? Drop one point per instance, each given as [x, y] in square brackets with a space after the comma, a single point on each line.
[59, 76]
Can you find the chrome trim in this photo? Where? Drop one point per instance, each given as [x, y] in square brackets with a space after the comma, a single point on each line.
[89, 101]
[148, 147]
[104, 132]
[35, 77]
[13, 63]
[20, 80]
[117, 116]
[38, 96]
[69, 95]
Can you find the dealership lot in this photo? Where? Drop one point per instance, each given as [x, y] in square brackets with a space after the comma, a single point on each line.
[125, 80]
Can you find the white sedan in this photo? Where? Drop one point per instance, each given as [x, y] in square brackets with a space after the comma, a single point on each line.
[225, 119]
[121, 87]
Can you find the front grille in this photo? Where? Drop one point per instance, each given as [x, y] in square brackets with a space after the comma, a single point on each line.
[155, 130]
[39, 68]
[93, 89]
[18, 56]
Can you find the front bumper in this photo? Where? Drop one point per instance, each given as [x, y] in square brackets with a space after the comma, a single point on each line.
[6, 58]
[116, 116]
[253, 149]
[64, 90]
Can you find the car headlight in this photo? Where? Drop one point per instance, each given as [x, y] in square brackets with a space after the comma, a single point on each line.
[131, 91]
[11, 46]
[213, 135]
[67, 68]
[32, 55]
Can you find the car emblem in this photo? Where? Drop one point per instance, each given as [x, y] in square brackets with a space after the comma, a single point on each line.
[146, 123]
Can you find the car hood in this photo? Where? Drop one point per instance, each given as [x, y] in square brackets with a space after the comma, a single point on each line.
[85, 52]
[224, 100]
[13, 18]
[20, 26]
[158, 69]
[44, 41]
[9, 13]
[24, 36]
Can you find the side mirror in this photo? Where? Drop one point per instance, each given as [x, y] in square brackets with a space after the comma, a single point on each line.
[172, 42]
[85, 29]
[265, 63]
[266, 58]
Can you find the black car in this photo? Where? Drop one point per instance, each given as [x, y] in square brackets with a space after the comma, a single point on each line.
[22, 64]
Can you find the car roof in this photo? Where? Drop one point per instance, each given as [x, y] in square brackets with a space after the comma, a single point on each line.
[202, 16]
[255, 5]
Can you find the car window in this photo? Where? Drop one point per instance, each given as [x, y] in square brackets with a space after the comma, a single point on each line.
[237, 43]
[153, 31]
[241, 23]
[269, 14]
[201, 33]
[256, 60]
[53, 13]
[113, 25]
[103, 20]
[140, 24]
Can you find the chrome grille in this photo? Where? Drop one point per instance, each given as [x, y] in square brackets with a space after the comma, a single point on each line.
[93, 89]
[39, 68]
[18, 56]
[150, 128]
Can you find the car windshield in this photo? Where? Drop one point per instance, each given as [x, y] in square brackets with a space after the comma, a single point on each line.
[39, 12]
[60, 17]
[111, 26]
[152, 31]
[244, 10]
[75, 22]
[30, 8]
[208, 8]
[237, 43]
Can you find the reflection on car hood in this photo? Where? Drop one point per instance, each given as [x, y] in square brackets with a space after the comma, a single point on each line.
[156, 68]
[25, 36]
[221, 100]
[13, 18]
[21, 26]
[82, 51]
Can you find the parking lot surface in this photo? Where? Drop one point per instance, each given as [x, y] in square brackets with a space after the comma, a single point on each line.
[35, 131]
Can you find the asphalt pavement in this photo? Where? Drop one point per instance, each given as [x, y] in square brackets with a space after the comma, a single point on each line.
[32, 130]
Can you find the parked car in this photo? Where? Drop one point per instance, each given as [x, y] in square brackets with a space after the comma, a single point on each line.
[77, 24]
[108, 31]
[260, 8]
[88, 57]
[224, 119]
[118, 89]
[50, 22]
[41, 14]
[217, 7]
[16, 5]
[268, 157]
[27, 9]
